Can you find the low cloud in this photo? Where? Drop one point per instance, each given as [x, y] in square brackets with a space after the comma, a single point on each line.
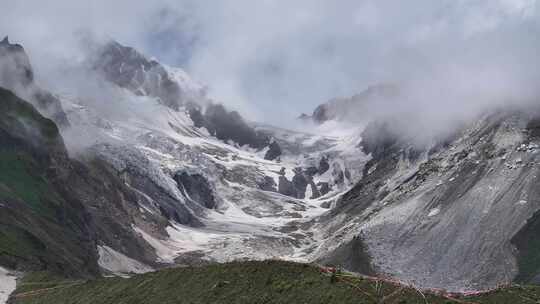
[274, 59]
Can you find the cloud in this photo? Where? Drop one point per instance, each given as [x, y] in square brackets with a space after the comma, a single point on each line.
[272, 59]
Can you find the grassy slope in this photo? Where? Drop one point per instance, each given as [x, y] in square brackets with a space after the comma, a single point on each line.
[21, 178]
[241, 282]
[528, 244]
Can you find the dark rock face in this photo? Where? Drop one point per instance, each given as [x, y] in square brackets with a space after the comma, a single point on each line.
[302, 179]
[197, 116]
[15, 68]
[338, 174]
[300, 183]
[377, 138]
[132, 167]
[534, 127]
[311, 171]
[16, 74]
[324, 188]
[113, 206]
[321, 114]
[197, 188]
[273, 152]
[298, 186]
[286, 187]
[323, 165]
[129, 69]
[227, 126]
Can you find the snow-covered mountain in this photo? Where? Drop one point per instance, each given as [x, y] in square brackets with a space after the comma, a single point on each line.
[162, 175]
[179, 179]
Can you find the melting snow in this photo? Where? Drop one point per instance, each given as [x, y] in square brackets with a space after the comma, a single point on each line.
[7, 284]
[434, 212]
[165, 141]
[118, 263]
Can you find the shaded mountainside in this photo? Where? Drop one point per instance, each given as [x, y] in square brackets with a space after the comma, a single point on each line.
[247, 282]
[56, 211]
[41, 230]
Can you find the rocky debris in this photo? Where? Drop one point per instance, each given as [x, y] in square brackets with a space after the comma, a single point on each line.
[458, 192]
[197, 188]
[274, 151]
[531, 147]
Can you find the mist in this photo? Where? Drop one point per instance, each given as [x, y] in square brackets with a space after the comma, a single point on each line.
[272, 60]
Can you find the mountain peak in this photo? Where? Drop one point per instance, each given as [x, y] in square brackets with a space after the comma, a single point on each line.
[5, 40]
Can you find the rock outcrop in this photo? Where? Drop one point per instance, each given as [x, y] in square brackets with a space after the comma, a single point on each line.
[17, 75]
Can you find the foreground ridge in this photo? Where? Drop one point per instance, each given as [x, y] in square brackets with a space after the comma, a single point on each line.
[270, 281]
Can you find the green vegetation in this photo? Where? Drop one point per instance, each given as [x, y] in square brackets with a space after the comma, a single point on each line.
[528, 245]
[17, 113]
[16, 242]
[21, 178]
[244, 282]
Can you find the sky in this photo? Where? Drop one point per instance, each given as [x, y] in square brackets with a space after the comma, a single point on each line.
[274, 59]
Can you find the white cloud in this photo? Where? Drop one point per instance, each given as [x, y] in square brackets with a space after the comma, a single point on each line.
[274, 58]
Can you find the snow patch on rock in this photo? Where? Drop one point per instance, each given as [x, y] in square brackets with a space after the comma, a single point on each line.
[434, 212]
[8, 283]
[118, 263]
